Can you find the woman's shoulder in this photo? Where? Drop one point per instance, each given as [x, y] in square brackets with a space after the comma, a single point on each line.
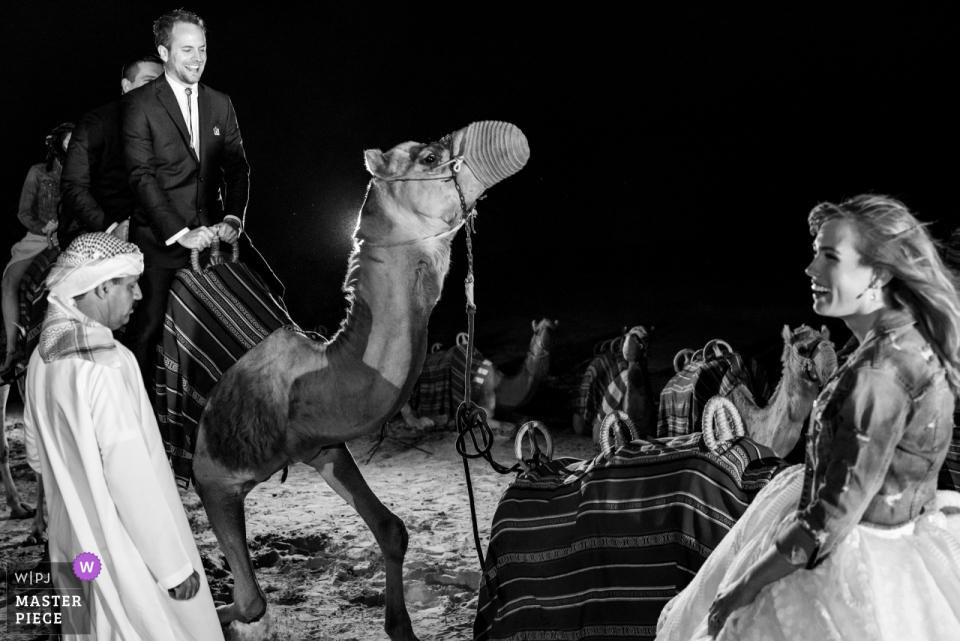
[905, 353]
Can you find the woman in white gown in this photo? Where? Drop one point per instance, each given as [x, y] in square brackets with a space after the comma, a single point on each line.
[857, 543]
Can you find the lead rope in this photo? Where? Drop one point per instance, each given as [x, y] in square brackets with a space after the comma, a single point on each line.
[471, 417]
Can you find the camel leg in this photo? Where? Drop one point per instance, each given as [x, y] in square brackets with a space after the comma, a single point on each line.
[338, 468]
[18, 509]
[222, 494]
[39, 521]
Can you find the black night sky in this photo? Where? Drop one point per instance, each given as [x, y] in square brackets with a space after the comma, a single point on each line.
[675, 152]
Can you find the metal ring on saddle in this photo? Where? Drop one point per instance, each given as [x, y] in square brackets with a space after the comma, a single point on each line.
[683, 357]
[721, 423]
[462, 339]
[215, 257]
[532, 427]
[610, 422]
[714, 346]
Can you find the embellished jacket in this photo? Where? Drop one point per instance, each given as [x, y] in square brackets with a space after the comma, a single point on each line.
[39, 197]
[879, 433]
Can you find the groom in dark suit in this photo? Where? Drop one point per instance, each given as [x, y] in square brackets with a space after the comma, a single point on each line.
[188, 172]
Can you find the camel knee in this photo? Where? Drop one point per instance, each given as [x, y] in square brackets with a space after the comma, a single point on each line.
[393, 538]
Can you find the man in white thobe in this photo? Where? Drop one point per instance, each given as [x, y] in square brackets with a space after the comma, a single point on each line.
[91, 432]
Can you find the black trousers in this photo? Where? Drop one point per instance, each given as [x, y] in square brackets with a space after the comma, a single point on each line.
[145, 328]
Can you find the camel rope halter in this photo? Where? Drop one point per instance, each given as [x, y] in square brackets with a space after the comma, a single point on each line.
[470, 416]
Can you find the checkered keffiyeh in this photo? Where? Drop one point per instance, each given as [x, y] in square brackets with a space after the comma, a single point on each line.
[92, 259]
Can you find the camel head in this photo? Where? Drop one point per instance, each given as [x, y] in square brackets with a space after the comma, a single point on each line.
[635, 344]
[414, 191]
[809, 353]
[542, 341]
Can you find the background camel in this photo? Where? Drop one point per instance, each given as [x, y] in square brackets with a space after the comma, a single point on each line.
[439, 388]
[809, 359]
[292, 399]
[617, 379]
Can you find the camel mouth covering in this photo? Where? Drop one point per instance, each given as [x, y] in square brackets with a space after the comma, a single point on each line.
[90, 260]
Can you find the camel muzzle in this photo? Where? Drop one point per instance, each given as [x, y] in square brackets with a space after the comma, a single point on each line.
[494, 150]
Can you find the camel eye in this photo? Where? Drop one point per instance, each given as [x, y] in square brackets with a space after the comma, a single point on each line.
[429, 159]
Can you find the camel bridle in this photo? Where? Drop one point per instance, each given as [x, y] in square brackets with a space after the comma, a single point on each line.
[808, 365]
[538, 339]
[467, 216]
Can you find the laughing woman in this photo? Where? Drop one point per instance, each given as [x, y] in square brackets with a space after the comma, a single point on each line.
[857, 543]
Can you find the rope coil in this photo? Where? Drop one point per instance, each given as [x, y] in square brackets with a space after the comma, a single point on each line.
[215, 257]
[536, 456]
[721, 423]
[614, 421]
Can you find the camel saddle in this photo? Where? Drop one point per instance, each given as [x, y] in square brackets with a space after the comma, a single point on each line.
[215, 314]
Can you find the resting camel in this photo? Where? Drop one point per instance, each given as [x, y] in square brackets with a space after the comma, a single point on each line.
[291, 399]
[809, 359]
[618, 380]
[496, 391]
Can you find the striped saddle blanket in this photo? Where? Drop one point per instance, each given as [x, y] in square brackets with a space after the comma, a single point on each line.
[213, 317]
[685, 395]
[602, 387]
[33, 297]
[439, 390]
[594, 549]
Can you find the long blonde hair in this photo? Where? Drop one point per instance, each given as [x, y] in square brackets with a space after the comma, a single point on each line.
[890, 237]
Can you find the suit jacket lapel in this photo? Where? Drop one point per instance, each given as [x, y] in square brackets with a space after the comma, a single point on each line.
[206, 119]
[169, 101]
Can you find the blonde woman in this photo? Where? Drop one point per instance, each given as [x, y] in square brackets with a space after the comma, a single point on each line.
[857, 543]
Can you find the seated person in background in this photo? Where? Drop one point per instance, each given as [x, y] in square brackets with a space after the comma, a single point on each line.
[95, 193]
[91, 431]
[38, 213]
[857, 543]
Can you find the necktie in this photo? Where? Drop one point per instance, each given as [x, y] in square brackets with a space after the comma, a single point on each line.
[189, 92]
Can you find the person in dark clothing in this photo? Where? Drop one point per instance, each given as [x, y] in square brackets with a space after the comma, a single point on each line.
[188, 172]
[94, 192]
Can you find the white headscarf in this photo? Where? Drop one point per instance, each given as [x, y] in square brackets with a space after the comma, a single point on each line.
[92, 259]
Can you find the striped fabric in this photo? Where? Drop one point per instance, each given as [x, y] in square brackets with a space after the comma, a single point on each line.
[213, 318]
[439, 390]
[33, 297]
[602, 387]
[685, 395]
[594, 549]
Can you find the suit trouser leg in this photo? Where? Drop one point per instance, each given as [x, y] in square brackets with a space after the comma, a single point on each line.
[145, 328]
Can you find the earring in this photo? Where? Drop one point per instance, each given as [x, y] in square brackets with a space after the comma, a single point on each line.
[873, 294]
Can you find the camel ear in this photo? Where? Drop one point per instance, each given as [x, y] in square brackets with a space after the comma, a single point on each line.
[786, 333]
[533, 324]
[373, 159]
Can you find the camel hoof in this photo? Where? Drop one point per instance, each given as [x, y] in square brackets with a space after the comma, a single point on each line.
[22, 511]
[259, 630]
[231, 613]
[35, 538]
